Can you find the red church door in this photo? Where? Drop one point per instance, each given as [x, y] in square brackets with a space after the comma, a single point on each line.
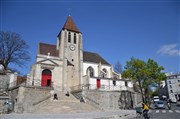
[98, 83]
[46, 78]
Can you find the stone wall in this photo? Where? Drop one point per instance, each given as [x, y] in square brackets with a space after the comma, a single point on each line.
[8, 80]
[25, 98]
[109, 100]
[4, 81]
[138, 99]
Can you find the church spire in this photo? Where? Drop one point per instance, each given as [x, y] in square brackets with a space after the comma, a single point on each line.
[70, 25]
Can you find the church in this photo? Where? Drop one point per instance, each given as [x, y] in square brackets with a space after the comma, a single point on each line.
[66, 67]
[64, 70]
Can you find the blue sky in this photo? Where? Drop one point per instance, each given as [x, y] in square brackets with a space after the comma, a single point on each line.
[115, 29]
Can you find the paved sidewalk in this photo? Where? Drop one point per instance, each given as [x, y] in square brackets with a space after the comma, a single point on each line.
[117, 114]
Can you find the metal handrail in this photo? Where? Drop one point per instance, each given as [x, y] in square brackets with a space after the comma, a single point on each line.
[102, 87]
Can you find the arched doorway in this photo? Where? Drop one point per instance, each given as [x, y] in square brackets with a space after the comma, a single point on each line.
[46, 78]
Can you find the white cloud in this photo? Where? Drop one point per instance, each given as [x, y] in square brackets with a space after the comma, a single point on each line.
[171, 50]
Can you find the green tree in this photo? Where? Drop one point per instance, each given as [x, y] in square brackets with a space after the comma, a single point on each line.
[13, 49]
[144, 74]
[134, 71]
[155, 73]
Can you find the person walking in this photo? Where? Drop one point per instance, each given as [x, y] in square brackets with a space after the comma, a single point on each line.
[169, 104]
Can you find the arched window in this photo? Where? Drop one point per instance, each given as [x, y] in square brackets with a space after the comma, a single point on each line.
[69, 37]
[90, 71]
[104, 75]
[74, 38]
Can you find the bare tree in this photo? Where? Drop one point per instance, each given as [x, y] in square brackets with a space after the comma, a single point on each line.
[118, 67]
[13, 50]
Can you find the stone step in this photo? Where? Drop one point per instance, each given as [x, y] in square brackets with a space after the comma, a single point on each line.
[64, 104]
[3, 93]
[65, 101]
[64, 97]
[65, 107]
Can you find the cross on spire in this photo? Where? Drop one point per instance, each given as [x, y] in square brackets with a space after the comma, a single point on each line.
[69, 10]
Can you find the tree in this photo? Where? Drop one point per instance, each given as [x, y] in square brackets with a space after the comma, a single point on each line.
[13, 50]
[134, 71]
[144, 73]
[156, 74]
[118, 67]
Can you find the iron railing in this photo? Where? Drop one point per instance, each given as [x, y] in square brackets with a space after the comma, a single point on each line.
[102, 87]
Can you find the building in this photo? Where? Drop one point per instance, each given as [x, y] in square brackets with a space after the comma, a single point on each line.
[173, 86]
[7, 81]
[61, 65]
[66, 66]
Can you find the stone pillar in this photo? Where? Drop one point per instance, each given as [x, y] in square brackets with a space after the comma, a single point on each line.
[18, 106]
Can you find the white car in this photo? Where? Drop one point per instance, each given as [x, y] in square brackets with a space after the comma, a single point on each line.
[173, 100]
[155, 99]
[159, 104]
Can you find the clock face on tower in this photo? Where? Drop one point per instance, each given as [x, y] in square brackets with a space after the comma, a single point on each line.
[72, 47]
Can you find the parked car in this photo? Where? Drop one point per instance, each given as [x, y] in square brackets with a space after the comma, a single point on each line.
[159, 104]
[178, 103]
[164, 97]
[155, 99]
[173, 100]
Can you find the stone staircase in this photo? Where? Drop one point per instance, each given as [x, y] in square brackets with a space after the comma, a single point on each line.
[62, 96]
[64, 104]
[3, 92]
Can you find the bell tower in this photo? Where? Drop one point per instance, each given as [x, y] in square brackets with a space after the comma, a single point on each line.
[69, 43]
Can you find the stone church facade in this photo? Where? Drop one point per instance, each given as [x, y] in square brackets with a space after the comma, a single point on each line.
[60, 66]
[67, 67]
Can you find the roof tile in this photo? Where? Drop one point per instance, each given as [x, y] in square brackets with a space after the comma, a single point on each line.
[44, 49]
[93, 57]
[70, 25]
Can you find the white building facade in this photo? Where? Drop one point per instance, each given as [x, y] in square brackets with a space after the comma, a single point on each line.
[173, 85]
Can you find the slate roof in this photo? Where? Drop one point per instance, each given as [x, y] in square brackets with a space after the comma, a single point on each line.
[44, 49]
[70, 25]
[93, 57]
